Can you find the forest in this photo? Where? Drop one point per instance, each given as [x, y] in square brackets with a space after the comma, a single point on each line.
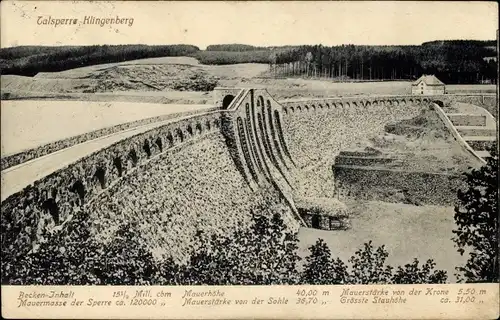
[30, 60]
[453, 61]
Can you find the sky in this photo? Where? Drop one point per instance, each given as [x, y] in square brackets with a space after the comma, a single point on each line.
[262, 23]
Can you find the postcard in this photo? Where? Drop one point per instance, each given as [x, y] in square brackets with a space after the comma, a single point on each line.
[249, 159]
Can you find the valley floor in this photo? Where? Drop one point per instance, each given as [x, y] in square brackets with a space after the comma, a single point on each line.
[407, 231]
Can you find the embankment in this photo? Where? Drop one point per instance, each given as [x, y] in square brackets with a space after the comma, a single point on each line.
[388, 185]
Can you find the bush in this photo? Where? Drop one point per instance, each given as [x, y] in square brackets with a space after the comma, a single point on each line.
[71, 256]
[413, 274]
[476, 217]
[61, 256]
[125, 260]
[264, 254]
[367, 266]
[320, 268]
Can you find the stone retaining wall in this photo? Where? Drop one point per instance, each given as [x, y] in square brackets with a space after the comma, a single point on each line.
[418, 188]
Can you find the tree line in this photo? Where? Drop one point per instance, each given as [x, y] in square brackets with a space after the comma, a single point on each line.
[457, 61]
[29, 60]
[451, 61]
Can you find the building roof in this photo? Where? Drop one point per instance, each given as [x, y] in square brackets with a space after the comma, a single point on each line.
[429, 80]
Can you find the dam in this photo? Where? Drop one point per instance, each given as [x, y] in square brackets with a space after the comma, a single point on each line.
[208, 169]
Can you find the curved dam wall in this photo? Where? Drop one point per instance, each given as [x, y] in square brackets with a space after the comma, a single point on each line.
[206, 171]
[317, 130]
[33, 153]
[186, 176]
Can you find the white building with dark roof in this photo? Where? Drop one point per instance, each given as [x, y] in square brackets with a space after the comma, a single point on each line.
[427, 85]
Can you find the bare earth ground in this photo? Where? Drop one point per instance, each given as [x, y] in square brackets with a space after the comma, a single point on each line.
[407, 231]
[422, 144]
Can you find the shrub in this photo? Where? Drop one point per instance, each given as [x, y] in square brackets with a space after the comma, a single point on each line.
[264, 254]
[125, 260]
[320, 268]
[71, 256]
[413, 274]
[476, 217]
[367, 266]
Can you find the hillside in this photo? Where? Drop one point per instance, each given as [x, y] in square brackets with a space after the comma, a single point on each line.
[174, 80]
[421, 143]
[30, 60]
[459, 61]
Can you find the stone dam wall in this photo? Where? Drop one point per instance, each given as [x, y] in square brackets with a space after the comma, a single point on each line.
[21, 157]
[317, 130]
[208, 171]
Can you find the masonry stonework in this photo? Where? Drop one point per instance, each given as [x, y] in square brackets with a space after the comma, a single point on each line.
[273, 145]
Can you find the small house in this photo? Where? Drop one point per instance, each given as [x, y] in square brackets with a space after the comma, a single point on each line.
[427, 85]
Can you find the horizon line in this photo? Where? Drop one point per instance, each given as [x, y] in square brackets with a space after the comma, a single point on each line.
[247, 44]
